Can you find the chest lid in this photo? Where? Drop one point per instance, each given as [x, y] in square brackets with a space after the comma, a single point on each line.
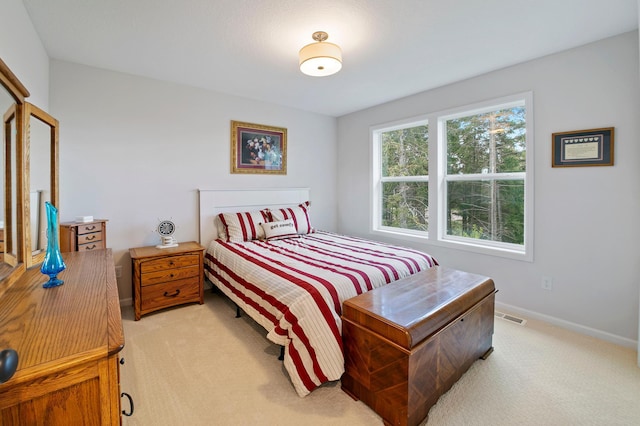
[414, 308]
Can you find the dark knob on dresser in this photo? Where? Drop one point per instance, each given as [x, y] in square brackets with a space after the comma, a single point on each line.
[8, 364]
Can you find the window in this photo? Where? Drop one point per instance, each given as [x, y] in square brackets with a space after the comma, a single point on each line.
[482, 197]
[402, 193]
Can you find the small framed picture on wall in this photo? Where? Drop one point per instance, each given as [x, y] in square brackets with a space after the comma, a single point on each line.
[593, 147]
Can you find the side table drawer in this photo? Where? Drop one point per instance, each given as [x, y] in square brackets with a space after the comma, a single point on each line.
[89, 238]
[171, 262]
[92, 227]
[91, 246]
[171, 293]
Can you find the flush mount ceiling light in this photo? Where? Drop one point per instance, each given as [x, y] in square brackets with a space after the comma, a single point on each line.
[320, 59]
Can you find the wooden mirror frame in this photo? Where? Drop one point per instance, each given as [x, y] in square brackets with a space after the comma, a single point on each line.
[32, 111]
[18, 92]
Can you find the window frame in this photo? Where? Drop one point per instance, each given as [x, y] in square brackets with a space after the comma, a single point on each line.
[436, 233]
[377, 178]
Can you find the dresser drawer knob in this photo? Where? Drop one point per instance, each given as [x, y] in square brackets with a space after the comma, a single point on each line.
[8, 364]
[91, 238]
[91, 247]
[166, 293]
[90, 228]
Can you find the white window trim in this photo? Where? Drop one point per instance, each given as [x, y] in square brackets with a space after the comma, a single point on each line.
[513, 251]
[437, 166]
[376, 179]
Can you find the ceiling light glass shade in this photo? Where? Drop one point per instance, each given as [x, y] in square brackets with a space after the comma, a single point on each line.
[320, 59]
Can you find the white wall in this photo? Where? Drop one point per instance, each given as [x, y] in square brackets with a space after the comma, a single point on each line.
[135, 150]
[23, 52]
[586, 226]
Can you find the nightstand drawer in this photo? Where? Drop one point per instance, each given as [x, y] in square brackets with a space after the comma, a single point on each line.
[169, 275]
[91, 246]
[91, 227]
[171, 293]
[171, 262]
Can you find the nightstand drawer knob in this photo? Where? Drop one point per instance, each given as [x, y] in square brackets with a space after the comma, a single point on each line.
[90, 228]
[93, 237]
[166, 293]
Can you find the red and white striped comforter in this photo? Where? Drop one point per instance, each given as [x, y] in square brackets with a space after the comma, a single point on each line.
[295, 287]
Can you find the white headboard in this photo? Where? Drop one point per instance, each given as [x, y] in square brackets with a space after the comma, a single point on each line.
[214, 201]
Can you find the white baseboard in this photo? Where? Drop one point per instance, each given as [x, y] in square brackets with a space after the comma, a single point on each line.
[603, 335]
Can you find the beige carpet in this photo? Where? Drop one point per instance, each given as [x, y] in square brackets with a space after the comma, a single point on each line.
[198, 365]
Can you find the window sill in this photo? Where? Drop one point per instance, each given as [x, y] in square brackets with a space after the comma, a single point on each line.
[423, 238]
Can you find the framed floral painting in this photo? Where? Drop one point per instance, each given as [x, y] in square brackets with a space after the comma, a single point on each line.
[256, 148]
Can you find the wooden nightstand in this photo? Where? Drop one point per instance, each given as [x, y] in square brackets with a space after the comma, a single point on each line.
[83, 236]
[166, 277]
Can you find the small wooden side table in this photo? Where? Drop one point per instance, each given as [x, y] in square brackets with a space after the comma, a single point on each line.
[164, 277]
[83, 236]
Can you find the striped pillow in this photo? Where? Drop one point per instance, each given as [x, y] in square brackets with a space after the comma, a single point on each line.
[244, 226]
[280, 230]
[299, 215]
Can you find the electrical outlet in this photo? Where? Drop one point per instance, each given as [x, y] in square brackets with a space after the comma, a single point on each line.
[547, 283]
[118, 271]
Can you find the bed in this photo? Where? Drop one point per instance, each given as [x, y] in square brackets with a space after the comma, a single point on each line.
[292, 280]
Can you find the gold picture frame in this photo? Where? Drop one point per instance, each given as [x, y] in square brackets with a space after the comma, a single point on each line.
[258, 149]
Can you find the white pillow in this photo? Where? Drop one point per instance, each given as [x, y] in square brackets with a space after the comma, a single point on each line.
[244, 226]
[222, 230]
[299, 215]
[280, 230]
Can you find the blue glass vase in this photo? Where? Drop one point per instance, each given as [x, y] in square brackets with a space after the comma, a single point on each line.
[53, 263]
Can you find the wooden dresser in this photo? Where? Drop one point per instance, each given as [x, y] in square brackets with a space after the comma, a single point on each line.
[164, 277]
[68, 339]
[83, 236]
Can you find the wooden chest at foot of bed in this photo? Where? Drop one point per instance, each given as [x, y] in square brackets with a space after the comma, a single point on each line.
[408, 342]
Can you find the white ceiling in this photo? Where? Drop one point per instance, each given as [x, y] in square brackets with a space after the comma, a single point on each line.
[249, 48]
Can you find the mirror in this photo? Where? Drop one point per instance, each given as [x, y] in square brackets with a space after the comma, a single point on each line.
[10, 255]
[12, 94]
[9, 187]
[41, 144]
[6, 104]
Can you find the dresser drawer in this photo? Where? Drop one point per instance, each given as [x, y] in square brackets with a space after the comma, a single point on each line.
[90, 238]
[170, 262]
[169, 275]
[91, 246]
[90, 227]
[170, 293]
